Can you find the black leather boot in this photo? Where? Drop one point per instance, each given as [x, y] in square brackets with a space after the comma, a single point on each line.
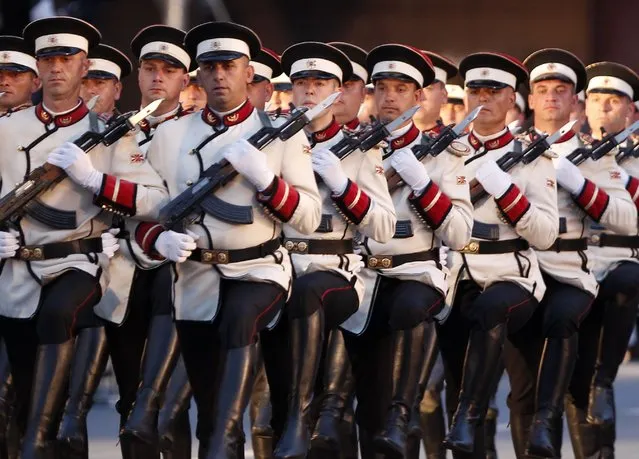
[408, 355]
[338, 386]
[480, 367]
[618, 321]
[519, 432]
[160, 357]
[367, 446]
[9, 436]
[349, 448]
[173, 419]
[490, 430]
[608, 438]
[89, 362]
[306, 335]
[52, 365]
[433, 432]
[226, 441]
[260, 414]
[585, 437]
[431, 351]
[555, 371]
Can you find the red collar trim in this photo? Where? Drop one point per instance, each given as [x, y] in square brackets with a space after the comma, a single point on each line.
[405, 139]
[65, 120]
[230, 119]
[492, 144]
[327, 133]
[567, 136]
[436, 130]
[352, 125]
[146, 127]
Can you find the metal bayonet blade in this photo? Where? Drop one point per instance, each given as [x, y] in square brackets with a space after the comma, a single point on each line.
[560, 133]
[461, 127]
[623, 135]
[323, 105]
[146, 111]
[401, 119]
[94, 100]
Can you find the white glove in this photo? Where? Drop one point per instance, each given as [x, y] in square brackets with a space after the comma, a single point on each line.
[110, 242]
[494, 181]
[176, 247]
[443, 255]
[412, 172]
[9, 244]
[77, 164]
[329, 167]
[569, 176]
[250, 162]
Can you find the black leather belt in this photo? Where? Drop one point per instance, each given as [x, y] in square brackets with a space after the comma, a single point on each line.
[495, 247]
[59, 249]
[222, 257]
[392, 261]
[319, 246]
[614, 240]
[568, 245]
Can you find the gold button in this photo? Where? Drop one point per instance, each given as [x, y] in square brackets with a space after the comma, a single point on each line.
[189, 182]
[37, 254]
[372, 262]
[288, 245]
[386, 262]
[25, 253]
[595, 238]
[222, 257]
[302, 246]
[207, 256]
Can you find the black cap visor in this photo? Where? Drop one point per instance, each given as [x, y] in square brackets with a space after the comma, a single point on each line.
[216, 56]
[609, 91]
[163, 57]
[17, 68]
[491, 84]
[58, 51]
[394, 76]
[318, 74]
[100, 75]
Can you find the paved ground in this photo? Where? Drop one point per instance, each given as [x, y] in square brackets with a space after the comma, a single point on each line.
[103, 423]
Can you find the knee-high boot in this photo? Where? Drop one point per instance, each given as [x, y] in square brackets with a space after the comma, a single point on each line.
[557, 364]
[433, 431]
[585, 437]
[174, 426]
[52, 365]
[260, 414]
[519, 432]
[9, 436]
[618, 322]
[226, 441]
[159, 360]
[408, 355]
[431, 351]
[482, 361]
[306, 335]
[338, 386]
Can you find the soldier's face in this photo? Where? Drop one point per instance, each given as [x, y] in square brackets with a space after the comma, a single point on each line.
[159, 79]
[260, 93]
[62, 76]
[226, 82]
[193, 97]
[347, 105]
[17, 88]
[309, 92]
[608, 111]
[552, 100]
[452, 113]
[434, 96]
[496, 104]
[394, 97]
[108, 90]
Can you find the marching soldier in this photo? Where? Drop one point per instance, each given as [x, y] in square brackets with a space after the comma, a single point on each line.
[347, 107]
[18, 80]
[281, 98]
[231, 279]
[266, 66]
[405, 283]
[193, 97]
[107, 67]
[53, 263]
[434, 96]
[454, 110]
[496, 283]
[611, 90]
[327, 289]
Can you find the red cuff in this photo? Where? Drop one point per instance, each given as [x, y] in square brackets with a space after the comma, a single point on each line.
[282, 200]
[117, 196]
[513, 204]
[593, 200]
[146, 234]
[633, 189]
[353, 203]
[432, 205]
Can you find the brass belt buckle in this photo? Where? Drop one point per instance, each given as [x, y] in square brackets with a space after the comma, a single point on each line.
[215, 257]
[471, 247]
[296, 245]
[30, 253]
[595, 239]
[379, 261]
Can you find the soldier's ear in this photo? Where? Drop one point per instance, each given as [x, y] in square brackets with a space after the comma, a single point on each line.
[185, 81]
[269, 90]
[85, 65]
[36, 84]
[118, 90]
[250, 73]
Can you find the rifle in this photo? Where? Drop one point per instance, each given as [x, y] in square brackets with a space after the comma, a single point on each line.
[14, 204]
[631, 151]
[601, 148]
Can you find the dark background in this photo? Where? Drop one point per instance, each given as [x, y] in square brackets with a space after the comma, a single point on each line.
[593, 29]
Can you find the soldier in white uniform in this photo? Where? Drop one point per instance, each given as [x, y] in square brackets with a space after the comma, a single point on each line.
[52, 271]
[542, 357]
[495, 280]
[603, 337]
[405, 283]
[346, 108]
[355, 198]
[18, 80]
[107, 67]
[267, 66]
[231, 275]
